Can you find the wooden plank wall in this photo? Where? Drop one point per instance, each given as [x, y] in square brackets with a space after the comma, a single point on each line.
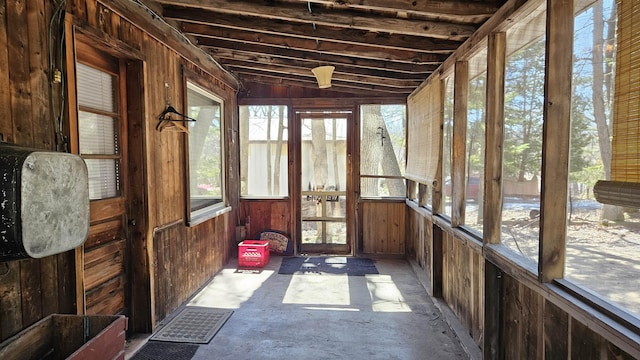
[535, 328]
[531, 326]
[463, 283]
[418, 244]
[29, 289]
[185, 259]
[383, 227]
[265, 215]
[32, 289]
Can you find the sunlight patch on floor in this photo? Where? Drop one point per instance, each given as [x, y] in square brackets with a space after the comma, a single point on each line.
[230, 288]
[385, 295]
[318, 290]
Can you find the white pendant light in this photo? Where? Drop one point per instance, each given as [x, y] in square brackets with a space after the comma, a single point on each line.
[323, 75]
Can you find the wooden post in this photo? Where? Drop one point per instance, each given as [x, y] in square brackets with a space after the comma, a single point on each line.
[461, 87]
[556, 138]
[436, 194]
[494, 138]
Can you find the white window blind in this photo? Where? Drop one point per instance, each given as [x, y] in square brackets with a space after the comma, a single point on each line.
[98, 130]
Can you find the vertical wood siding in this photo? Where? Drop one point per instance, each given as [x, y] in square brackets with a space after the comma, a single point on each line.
[531, 327]
[185, 258]
[383, 227]
[265, 215]
[29, 289]
[32, 289]
[463, 283]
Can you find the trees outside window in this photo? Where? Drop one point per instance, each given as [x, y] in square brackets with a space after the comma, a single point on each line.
[475, 148]
[522, 148]
[264, 151]
[382, 150]
[206, 165]
[603, 241]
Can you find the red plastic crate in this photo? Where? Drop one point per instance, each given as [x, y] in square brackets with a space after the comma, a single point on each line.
[253, 253]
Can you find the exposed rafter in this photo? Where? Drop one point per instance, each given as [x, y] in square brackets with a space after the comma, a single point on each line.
[378, 47]
[322, 16]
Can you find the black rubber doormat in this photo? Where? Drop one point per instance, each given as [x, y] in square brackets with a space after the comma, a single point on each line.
[156, 350]
[328, 265]
[193, 324]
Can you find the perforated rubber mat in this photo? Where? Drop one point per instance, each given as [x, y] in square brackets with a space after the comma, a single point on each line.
[156, 350]
[196, 325]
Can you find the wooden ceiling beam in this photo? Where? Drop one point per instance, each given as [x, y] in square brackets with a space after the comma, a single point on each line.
[332, 92]
[233, 58]
[315, 59]
[203, 23]
[299, 13]
[338, 49]
[337, 76]
[455, 10]
[252, 75]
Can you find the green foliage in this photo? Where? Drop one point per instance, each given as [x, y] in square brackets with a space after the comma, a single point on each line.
[524, 97]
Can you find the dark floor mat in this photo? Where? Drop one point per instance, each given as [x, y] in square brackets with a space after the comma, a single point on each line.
[327, 265]
[193, 325]
[156, 350]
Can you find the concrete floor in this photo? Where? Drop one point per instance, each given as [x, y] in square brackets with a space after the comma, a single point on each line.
[314, 316]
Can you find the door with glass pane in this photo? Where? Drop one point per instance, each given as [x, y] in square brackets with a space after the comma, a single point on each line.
[100, 142]
[323, 183]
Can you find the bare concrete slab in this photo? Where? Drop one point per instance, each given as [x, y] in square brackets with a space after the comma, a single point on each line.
[319, 316]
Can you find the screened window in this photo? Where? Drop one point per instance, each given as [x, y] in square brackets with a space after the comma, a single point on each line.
[475, 149]
[98, 129]
[206, 165]
[447, 143]
[264, 134]
[522, 149]
[603, 241]
[382, 150]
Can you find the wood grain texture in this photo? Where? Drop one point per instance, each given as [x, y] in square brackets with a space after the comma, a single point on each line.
[463, 283]
[383, 230]
[459, 142]
[494, 138]
[556, 132]
[265, 215]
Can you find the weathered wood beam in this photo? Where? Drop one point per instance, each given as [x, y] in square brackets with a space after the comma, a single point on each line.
[494, 137]
[257, 60]
[337, 76]
[162, 32]
[198, 22]
[467, 11]
[251, 75]
[315, 58]
[356, 51]
[300, 13]
[556, 134]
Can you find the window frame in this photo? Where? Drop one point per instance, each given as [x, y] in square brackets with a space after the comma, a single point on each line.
[361, 175]
[286, 142]
[195, 217]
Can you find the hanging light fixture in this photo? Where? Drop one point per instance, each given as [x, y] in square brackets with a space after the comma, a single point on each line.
[323, 75]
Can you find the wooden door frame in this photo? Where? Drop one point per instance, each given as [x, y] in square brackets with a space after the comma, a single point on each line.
[296, 191]
[139, 270]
